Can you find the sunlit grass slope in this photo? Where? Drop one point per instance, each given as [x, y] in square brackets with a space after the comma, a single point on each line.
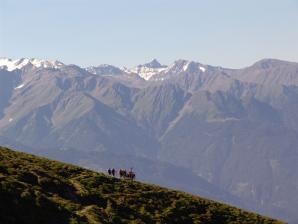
[38, 190]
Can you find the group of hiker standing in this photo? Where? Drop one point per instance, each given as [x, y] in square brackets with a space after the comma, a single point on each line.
[122, 173]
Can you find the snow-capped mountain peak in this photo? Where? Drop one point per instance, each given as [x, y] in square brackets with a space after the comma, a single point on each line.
[148, 70]
[104, 69]
[182, 65]
[11, 65]
[45, 63]
[153, 64]
[156, 72]
[152, 70]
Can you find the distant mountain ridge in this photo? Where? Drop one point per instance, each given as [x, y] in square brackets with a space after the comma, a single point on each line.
[146, 71]
[229, 134]
[11, 65]
[152, 70]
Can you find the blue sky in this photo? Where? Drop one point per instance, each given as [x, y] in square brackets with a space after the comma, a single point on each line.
[229, 33]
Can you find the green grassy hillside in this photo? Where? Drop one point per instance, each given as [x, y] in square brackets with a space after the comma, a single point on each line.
[38, 190]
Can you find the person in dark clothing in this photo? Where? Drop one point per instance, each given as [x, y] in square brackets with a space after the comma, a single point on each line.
[109, 171]
[121, 173]
[113, 172]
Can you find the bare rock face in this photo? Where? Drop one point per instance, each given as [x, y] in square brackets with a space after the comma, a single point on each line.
[230, 134]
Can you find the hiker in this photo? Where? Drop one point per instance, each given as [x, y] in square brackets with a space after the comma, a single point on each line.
[109, 171]
[131, 175]
[121, 173]
[113, 172]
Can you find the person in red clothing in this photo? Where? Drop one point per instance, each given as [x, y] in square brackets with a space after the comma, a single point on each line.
[131, 175]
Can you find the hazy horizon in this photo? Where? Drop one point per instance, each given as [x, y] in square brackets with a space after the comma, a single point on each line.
[229, 34]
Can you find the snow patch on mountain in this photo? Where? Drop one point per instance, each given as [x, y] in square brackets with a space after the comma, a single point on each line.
[185, 67]
[202, 68]
[104, 69]
[145, 72]
[20, 86]
[194, 64]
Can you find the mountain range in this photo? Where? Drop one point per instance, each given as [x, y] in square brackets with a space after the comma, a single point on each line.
[227, 134]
